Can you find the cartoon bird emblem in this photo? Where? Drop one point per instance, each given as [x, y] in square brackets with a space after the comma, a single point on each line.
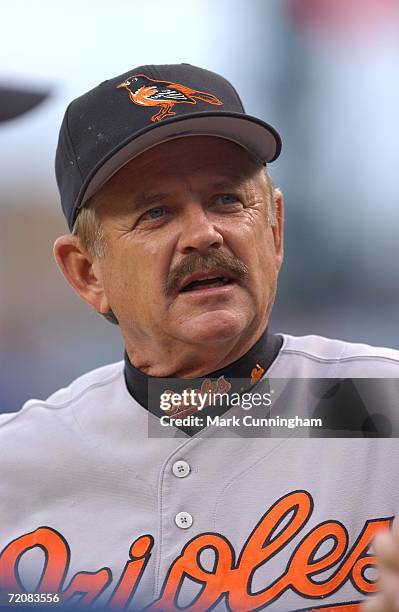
[148, 92]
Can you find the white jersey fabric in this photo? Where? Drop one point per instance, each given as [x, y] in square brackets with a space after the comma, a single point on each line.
[90, 504]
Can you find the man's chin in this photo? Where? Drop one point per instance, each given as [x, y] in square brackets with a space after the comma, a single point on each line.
[214, 326]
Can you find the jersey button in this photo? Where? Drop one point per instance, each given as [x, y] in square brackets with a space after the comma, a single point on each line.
[181, 469]
[184, 520]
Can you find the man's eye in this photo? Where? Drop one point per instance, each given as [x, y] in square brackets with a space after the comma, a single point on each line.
[154, 213]
[227, 198]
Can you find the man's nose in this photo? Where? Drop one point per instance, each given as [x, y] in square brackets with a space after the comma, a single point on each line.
[198, 231]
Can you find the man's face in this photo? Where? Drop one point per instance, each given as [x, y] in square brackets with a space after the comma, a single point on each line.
[190, 253]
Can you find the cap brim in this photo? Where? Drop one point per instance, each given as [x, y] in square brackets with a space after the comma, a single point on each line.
[259, 138]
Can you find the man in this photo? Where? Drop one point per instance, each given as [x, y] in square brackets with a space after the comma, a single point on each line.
[177, 237]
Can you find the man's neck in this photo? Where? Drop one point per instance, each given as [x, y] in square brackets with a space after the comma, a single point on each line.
[247, 370]
[189, 361]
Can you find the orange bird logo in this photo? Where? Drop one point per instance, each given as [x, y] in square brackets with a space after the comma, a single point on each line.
[148, 92]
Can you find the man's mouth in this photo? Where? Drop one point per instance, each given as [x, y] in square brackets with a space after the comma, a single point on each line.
[205, 280]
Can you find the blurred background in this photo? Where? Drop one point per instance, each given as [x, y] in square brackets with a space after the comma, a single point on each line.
[324, 72]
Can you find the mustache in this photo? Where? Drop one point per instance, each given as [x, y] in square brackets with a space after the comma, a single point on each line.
[198, 263]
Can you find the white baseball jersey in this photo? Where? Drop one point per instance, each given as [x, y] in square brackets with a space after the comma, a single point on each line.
[93, 507]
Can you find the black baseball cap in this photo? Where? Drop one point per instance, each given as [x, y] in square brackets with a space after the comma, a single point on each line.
[111, 124]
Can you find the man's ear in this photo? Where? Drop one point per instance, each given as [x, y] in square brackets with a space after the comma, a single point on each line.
[278, 228]
[81, 271]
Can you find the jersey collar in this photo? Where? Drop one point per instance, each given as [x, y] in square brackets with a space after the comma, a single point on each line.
[251, 367]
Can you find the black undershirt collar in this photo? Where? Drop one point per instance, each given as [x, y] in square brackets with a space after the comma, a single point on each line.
[250, 366]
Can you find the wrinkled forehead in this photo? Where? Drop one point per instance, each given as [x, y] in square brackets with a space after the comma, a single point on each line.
[201, 157]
